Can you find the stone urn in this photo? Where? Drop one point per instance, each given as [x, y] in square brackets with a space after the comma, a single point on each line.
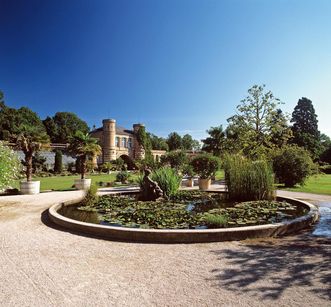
[30, 187]
[190, 183]
[82, 184]
[204, 184]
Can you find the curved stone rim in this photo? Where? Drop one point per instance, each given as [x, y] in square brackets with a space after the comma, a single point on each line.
[186, 235]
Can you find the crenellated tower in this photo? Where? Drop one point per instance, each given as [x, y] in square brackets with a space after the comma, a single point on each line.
[109, 134]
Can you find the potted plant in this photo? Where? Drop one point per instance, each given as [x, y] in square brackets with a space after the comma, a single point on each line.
[189, 173]
[205, 165]
[84, 146]
[30, 139]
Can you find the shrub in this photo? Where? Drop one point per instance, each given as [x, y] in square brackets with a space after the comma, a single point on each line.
[247, 179]
[176, 159]
[122, 176]
[205, 165]
[188, 170]
[91, 196]
[58, 162]
[10, 166]
[168, 180]
[292, 165]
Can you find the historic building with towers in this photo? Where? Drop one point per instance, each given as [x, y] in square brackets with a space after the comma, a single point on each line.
[119, 142]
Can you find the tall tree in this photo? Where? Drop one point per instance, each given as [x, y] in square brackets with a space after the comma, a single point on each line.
[215, 142]
[280, 132]
[305, 126]
[254, 120]
[174, 141]
[63, 126]
[188, 143]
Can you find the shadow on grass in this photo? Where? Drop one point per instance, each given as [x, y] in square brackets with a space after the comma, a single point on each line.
[303, 261]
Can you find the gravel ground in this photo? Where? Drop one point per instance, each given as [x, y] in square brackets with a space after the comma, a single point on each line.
[42, 265]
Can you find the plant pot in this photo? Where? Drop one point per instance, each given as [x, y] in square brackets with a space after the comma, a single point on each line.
[204, 184]
[190, 183]
[82, 184]
[30, 187]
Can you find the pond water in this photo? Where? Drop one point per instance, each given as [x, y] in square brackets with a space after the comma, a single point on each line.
[186, 215]
[323, 226]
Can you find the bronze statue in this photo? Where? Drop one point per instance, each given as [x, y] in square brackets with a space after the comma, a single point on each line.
[149, 189]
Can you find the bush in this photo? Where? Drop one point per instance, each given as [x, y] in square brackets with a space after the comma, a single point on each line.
[188, 170]
[91, 196]
[122, 176]
[58, 162]
[292, 165]
[168, 180]
[247, 179]
[205, 165]
[176, 159]
[10, 166]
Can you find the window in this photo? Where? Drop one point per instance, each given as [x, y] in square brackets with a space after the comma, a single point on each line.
[123, 142]
[130, 143]
[117, 143]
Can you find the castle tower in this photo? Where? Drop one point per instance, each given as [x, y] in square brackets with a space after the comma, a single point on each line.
[138, 150]
[109, 134]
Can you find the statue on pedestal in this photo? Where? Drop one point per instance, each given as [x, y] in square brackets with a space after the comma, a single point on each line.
[149, 190]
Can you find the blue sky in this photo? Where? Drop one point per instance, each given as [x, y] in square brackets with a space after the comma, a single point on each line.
[175, 65]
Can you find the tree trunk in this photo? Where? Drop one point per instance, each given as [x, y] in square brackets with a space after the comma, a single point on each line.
[28, 160]
[83, 166]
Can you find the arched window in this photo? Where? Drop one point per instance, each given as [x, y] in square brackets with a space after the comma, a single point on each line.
[117, 142]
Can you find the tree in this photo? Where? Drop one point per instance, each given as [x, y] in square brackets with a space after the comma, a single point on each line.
[157, 143]
[215, 142]
[58, 162]
[174, 141]
[176, 159]
[10, 166]
[84, 147]
[188, 143]
[255, 120]
[292, 165]
[305, 126]
[8, 120]
[30, 140]
[63, 126]
[280, 132]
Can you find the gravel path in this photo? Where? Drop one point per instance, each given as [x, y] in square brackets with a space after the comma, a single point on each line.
[45, 266]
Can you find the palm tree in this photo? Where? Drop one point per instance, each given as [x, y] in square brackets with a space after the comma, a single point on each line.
[84, 146]
[31, 139]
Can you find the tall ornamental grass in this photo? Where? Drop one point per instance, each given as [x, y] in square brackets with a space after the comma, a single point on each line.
[247, 179]
[168, 180]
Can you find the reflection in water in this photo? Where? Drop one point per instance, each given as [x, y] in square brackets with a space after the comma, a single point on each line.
[323, 226]
[72, 212]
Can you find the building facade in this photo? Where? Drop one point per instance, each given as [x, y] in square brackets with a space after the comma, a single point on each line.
[118, 142]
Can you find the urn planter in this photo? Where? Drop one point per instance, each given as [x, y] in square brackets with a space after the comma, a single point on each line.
[204, 184]
[30, 187]
[82, 184]
[190, 183]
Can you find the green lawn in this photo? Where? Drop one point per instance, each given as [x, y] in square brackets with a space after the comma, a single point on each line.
[220, 174]
[318, 184]
[61, 183]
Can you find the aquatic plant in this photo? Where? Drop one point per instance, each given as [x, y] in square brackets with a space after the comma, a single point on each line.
[247, 179]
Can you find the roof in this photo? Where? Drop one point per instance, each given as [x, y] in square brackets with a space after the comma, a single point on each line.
[119, 130]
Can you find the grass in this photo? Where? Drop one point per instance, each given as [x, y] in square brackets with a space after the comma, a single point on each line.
[63, 183]
[220, 175]
[317, 184]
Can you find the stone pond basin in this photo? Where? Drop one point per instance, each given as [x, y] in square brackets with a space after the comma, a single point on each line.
[187, 235]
